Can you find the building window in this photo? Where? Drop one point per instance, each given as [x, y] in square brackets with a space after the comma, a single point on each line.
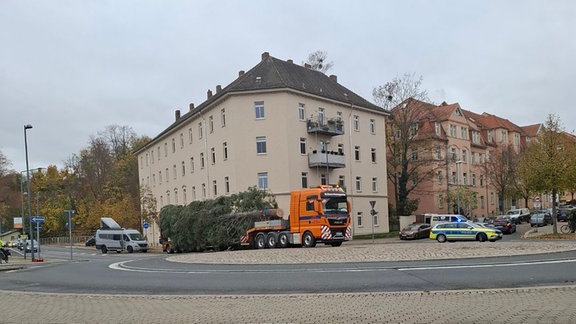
[167, 176]
[491, 198]
[203, 190]
[464, 154]
[374, 184]
[183, 169]
[165, 149]
[301, 112]
[438, 153]
[175, 196]
[263, 180]
[161, 200]
[321, 116]
[153, 179]
[184, 196]
[414, 154]
[489, 139]
[181, 140]
[453, 130]
[159, 177]
[341, 181]
[358, 184]
[454, 179]
[213, 154]
[437, 128]
[453, 153]
[191, 165]
[439, 176]
[190, 137]
[193, 192]
[261, 145]
[474, 179]
[357, 153]
[359, 219]
[211, 124]
[465, 178]
[302, 145]
[304, 177]
[174, 171]
[504, 136]
[200, 130]
[168, 197]
[173, 146]
[441, 201]
[481, 180]
[356, 123]
[202, 160]
[158, 151]
[152, 156]
[464, 133]
[475, 137]
[341, 149]
[225, 150]
[259, 109]
[481, 201]
[223, 117]
[372, 126]
[323, 180]
[227, 184]
[215, 188]
[472, 157]
[373, 155]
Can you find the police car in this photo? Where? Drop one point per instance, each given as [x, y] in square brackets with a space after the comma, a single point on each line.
[465, 231]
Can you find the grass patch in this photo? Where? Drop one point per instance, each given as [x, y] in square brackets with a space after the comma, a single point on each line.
[558, 236]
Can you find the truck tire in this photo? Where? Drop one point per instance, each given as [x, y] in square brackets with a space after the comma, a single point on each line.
[336, 244]
[272, 240]
[308, 240]
[283, 240]
[260, 241]
[104, 249]
[130, 249]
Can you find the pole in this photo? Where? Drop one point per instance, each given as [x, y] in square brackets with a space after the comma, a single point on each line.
[458, 184]
[26, 127]
[327, 164]
[69, 214]
[22, 208]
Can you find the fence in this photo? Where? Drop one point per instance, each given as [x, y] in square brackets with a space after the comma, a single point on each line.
[64, 240]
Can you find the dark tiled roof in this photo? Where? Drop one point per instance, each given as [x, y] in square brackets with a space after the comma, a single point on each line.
[272, 73]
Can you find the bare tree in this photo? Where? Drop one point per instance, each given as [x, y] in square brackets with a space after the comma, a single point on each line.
[119, 138]
[318, 61]
[502, 171]
[410, 156]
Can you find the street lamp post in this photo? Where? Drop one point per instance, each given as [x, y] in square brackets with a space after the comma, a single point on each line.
[327, 164]
[27, 127]
[458, 184]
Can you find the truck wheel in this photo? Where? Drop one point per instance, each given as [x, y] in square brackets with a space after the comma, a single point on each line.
[271, 240]
[283, 240]
[130, 249]
[308, 240]
[260, 241]
[335, 244]
[104, 249]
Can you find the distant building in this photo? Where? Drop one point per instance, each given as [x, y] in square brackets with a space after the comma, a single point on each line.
[280, 127]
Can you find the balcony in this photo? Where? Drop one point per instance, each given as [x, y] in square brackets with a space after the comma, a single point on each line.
[330, 127]
[331, 160]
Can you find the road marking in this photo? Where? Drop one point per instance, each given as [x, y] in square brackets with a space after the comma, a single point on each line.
[488, 265]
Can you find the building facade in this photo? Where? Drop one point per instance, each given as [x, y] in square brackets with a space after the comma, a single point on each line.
[279, 127]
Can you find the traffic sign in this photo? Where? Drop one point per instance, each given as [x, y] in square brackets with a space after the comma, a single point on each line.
[37, 219]
[145, 225]
[372, 203]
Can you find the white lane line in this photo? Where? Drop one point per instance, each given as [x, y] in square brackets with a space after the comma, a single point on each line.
[488, 265]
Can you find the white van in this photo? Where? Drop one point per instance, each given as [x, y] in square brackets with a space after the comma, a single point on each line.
[519, 215]
[434, 219]
[111, 237]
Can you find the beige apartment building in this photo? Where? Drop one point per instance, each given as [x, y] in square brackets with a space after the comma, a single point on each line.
[279, 127]
[458, 145]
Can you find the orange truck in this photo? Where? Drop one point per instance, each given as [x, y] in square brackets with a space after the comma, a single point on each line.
[317, 215]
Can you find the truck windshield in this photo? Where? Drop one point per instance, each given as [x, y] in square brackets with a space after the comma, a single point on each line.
[335, 205]
[136, 237]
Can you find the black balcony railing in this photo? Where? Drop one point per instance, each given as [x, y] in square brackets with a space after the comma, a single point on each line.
[332, 127]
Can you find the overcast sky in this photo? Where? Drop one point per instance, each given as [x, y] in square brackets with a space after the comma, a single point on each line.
[71, 68]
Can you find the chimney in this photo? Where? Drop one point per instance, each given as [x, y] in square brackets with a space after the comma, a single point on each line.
[177, 114]
[265, 55]
[290, 61]
[334, 78]
[209, 94]
[191, 106]
[308, 66]
[241, 73]
[218, 88]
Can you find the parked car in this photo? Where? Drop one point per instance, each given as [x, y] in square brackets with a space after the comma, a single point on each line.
[464, 232]
[504, 224]
[540, 219]
[415, 231]
[519, 215]
[563, 212]
[91, 241]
